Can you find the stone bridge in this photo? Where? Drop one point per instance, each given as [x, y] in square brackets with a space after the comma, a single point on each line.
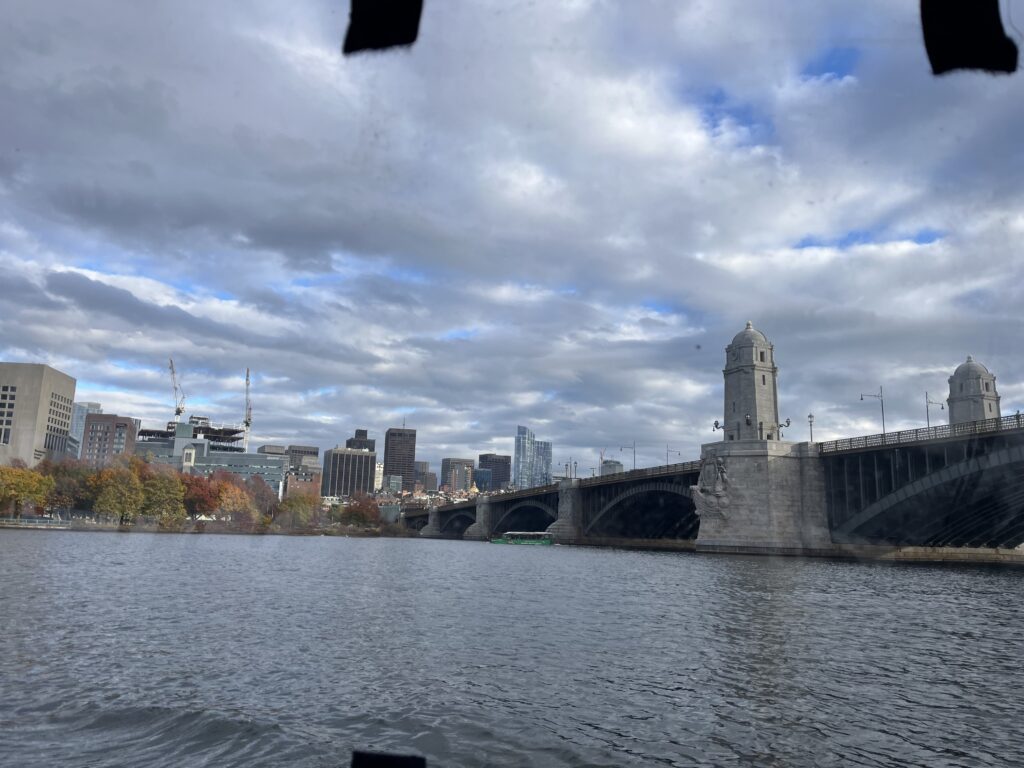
[958, 486]
[629, 507]
[947, 486]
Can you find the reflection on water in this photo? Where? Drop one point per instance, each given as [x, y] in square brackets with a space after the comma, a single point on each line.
[249, 651]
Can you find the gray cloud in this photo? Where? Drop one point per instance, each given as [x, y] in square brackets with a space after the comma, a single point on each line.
[556, 216]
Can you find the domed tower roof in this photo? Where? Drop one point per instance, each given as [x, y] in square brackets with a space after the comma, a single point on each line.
[970, 368]
[749, 335]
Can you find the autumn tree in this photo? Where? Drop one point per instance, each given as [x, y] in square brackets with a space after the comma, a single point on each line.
[20, 486]
[298, 510]
[361, 510]
[202, 497]
[263, 496]
[237, 504]
[70, 484]
[120, 494]
[221, 478]
[164, 496]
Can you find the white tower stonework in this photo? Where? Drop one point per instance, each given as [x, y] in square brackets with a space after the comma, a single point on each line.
[751, 388]
[757, 493]
[972, 393]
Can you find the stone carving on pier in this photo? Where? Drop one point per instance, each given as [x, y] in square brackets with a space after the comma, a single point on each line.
[711, 494]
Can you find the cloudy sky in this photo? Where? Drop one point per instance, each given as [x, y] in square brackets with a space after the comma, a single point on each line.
[552, 214]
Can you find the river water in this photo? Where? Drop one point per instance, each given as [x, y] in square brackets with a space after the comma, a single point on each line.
[270, 651]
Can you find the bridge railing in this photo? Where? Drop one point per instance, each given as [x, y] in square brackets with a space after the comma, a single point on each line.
[939, 432]
[636, 474]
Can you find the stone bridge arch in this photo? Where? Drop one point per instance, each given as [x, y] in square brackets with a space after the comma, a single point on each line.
[636, 490]
[534, 503]
[976, 502]
[448, 527]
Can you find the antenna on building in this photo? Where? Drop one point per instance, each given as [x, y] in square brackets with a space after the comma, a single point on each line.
[179, 394]
[247, 423]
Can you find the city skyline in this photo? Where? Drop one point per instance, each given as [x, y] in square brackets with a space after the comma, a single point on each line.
[565, 238]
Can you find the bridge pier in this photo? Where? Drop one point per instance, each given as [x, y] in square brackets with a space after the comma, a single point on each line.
[481, 529]
[567, 528]
[432, 530]
[762, 497]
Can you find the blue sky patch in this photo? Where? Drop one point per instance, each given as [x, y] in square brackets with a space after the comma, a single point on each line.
[868, 236]
[661, 307]
[719, 109]
[837, 62]
[459, 334]
[927, 236]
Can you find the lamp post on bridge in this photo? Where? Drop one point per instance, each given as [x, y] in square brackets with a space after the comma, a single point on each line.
[881, 398]
[927, 416]
[633, 446]
[810, 425]
[668, 451]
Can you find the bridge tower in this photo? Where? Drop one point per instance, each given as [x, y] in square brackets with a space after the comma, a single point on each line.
[972, 393]
[751, 387]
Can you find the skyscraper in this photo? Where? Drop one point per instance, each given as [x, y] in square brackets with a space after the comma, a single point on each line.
[611, 467]
[400, 455]
[542, 463]
[347, 472]
[361, 441]
[448, 467]
[483, 479]
[532, 463]
[500, 466]
[35, 412]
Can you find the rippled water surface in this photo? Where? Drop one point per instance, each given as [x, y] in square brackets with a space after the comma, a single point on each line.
[257, 651]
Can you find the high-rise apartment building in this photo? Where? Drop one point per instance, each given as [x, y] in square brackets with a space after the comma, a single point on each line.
[501, 469]
[400, 455]
[448, 468]
[347, 472]
[106, 436]
[361, 441]
[36, 403]
[522, 476]
[542, 463]
[78, 413]
[532, 461]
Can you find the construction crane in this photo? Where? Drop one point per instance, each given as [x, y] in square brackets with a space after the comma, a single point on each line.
[179, 394]
[248, 414]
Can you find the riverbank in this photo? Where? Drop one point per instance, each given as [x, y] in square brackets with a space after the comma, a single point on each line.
[203, 527]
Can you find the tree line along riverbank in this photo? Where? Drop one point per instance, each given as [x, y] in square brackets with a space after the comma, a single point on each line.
[136, 495]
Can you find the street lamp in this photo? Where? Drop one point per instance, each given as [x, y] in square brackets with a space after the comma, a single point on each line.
[781, 427]
[880, 397]
[927, 415]
[810, 424]
[668, 451]
[633, 446]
